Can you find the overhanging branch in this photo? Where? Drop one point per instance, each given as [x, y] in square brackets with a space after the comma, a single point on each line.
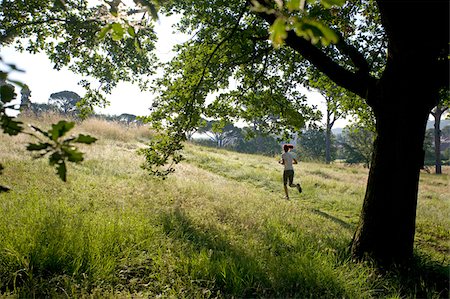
[358, 59]
[357, 82]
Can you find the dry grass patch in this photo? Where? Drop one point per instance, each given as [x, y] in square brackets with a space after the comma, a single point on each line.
[115, 131]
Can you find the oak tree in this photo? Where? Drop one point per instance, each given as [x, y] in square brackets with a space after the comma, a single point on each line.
[392, 54]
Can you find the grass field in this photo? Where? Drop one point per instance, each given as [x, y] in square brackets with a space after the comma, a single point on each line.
[219, 227]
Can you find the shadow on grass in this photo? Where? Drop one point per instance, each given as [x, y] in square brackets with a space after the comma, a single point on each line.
[223, 267]
[421, 278]
[289, 264]
[32, 269]
[333, 219]
[275, 268]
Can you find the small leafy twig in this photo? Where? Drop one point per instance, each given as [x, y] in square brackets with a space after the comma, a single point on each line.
[60, 149]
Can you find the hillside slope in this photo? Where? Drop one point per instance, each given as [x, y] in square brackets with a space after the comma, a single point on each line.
[218, 227]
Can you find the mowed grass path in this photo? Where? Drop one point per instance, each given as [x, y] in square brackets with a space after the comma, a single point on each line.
[218, 227]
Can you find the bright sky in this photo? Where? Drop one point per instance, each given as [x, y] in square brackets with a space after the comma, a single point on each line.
[43, 80]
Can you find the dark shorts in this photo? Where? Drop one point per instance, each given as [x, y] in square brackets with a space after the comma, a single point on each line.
[288, 175]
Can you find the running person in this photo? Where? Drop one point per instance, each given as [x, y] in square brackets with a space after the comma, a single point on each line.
[288, 175]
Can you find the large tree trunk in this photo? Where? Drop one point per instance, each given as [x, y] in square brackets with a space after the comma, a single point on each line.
[402, 100]
[387, 222]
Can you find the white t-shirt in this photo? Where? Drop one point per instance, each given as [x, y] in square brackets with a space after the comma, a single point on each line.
[288, 160]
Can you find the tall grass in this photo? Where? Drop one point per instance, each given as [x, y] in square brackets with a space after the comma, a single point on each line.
[218, 227]
[102, 129]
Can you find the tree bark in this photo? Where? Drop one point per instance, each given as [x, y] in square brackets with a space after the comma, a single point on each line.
[402, 98]
[387, 222]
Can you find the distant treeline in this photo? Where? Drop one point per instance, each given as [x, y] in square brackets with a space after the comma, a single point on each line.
[66, 103]
[353, 145]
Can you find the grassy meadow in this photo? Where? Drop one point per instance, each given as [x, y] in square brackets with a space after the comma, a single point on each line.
[219, 227]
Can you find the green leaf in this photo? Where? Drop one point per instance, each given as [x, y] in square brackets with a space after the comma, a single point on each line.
[72, 154]
[86, 139]
[315, 31]
[102, 33]
[10, 126]
[330, 3]
[38, 146]
[152, 9]
[131, 31]
[114, 7]
[117, 31]
[15, 68]
[7, 93]
[60, 4]
[278, 32]
[137, 45]
[62, 171]
[60, 129]
[18, 83]
[330, 37]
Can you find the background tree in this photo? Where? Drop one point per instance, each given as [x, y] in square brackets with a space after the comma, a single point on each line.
[222, 135]
[25, 102]
[356, 143]
[445, 145]
[40, 108]
[429, 149]
[312, 144]
[334, 97]
[339, 103]
[256, 142]
[65, 102]
[437, 112]
[127, 118]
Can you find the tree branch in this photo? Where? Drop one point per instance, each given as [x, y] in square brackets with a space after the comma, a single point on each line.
[233, 30]
[12, 31]
[358, 59]
[358, 82]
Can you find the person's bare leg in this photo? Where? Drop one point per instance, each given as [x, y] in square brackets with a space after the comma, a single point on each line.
[286, 191]
[296, 186]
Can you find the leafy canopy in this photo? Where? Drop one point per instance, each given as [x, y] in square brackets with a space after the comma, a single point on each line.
[235, 66]
[107, 41]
